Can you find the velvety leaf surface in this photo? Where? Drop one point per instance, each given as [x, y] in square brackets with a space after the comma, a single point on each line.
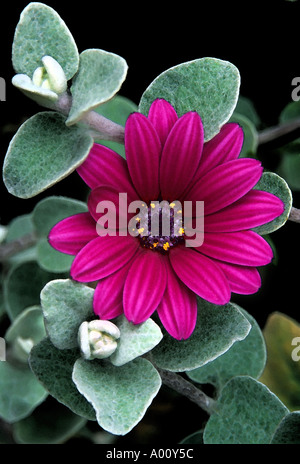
[245, 357]
[43, 152]
[288, 431]
[247, 413]
[120, 395]
[208, 85]
[135, 340]
[99, 78]
[272, 183]
[20, 392]
[217, 328]
[22, 287]
[46, 214]
[66, 304]
[53, 368]
[48, 425]
[33, 40]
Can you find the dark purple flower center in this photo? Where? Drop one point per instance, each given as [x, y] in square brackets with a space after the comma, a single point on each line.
[160, 227]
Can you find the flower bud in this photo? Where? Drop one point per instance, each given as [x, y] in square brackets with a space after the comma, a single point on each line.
[48, 81]
[98, 339]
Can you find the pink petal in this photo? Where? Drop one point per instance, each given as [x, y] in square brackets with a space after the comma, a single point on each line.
[103, 166]
[115, 208]
[245, 248]
[144, 286]
[178, 307]
[181, 155]
[243, 280]
[226, 184]
[108, 296]
[225, 146]
[102, 257]
[200, 274]
[252, 210]
[143, 149]
[163, 116]
[73, 233]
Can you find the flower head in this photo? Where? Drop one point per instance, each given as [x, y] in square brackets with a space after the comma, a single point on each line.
[167, 160]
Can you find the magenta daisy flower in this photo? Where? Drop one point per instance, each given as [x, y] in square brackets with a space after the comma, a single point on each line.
[167, 159]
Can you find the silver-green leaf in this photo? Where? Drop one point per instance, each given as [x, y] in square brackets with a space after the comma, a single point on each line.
[99, 78]
[209, 86]
[43, 152]
[42, 32]
[119, 395]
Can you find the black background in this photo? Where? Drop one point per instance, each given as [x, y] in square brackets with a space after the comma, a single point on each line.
[260, 38]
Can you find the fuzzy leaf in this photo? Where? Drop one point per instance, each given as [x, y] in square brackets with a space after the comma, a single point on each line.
[46, 214]
[247, 413]
[272, 183]
[20, 392]
[99, 78]
[66, 304]
[119, 395]
[34, 38]
[53, 368]
[245, 357]
[288, 431]
[217, 329]
[22, 287]
[208, 85]
[135, 340]
[48, 425]
[43, 152]
[250, 135]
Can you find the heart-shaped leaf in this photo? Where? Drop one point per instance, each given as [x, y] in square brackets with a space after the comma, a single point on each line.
[288, 431]
[119, 395]
[208, 85]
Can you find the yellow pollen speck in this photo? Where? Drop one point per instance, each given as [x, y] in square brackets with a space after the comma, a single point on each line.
[179, 212]
[166, 246]
[152, 205]
[137, 219]
[181, 230]
[155, 245]
[141, 230]
[172, 205]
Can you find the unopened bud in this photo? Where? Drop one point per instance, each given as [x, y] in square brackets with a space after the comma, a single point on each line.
[98, 339]
[48, 81]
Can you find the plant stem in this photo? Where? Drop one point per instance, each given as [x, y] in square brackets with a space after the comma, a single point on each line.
[15, 246]
[295, 215]
[187, 389]
[273, 133]
[100, 127]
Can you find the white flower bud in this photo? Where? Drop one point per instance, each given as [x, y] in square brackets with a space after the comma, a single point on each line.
[48, 81]
[98, 339]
